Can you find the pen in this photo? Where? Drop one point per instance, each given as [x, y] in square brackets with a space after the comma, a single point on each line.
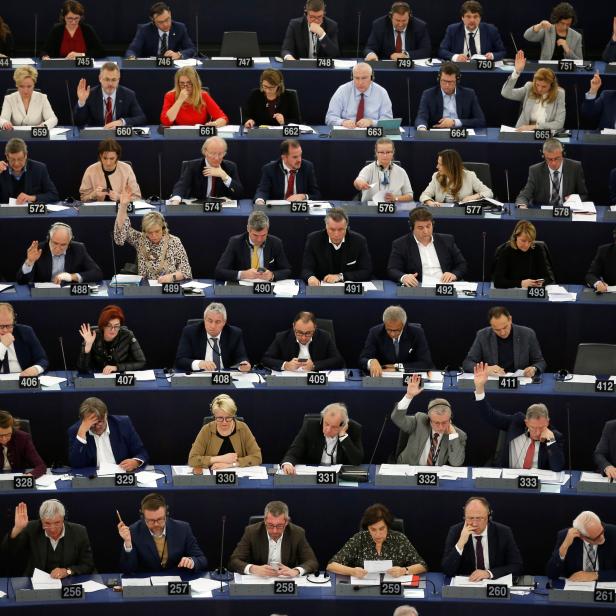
[119, 517]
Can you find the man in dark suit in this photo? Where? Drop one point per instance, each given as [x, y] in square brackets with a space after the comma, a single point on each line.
[602, 110]
[274, 547]
[311, 36]
[290, 178]
[161, 36]
[552, 181]
[592, 558]
[157, 542]
[109, 104]
[605, 451]
[23, 179]
[51, 544]
[602, 270]
[332, 440]
[408, 253]
[20, 349]
[398, 35]
[255, 254]
[303, 348]
[210, 176]
[448, 105]
[212, 345]
[395, 346]
[59, 260]
[21, 454]
[530, 442]
[491, 552]
[99, 438]
[609, 53]
[336, 254]
[471, 36]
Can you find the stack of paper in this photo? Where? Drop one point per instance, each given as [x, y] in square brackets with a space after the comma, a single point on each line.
[444, 472]
[546, 477]
[462, 580]
[163, 580]
[140, 375]
[41, 580]
[594, 477]
[203, 587]
[491, 473]
[303, 469]
[558, 293]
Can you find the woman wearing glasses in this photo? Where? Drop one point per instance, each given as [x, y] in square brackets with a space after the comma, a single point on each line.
[270, 104]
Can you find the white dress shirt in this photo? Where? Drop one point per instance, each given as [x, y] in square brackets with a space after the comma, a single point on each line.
[430, 264]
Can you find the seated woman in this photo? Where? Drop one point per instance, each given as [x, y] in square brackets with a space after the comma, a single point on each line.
[224, 442]
[384, 179]
[543, 103]
[452, 183]
[559, 41]
[115, 350]
[71, 37]
[6, 40]
[26, 107]
[160, 255]
[187, 104]
[521, 262]
[104, 180]
[21, 454]
[376, 541]
[270, 104]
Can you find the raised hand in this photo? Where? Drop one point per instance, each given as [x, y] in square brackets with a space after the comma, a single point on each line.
[83, 90]
[88, 335]
[33, 253]
[520, 61]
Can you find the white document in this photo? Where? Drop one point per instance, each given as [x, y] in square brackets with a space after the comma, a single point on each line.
[92, 586]
[336, 376]
[252, 472]
[594, 477]
[204, 587]
[46, 285]
[304, 469]
[163, 580]
[4, 287]
[372, 579]
[52, 207]
[42, 580]
[50, 381]
[187, 62]
[512, 129]
[377, 566]
[463, 580]
[229, 128]
[195, 284]
[582, 378]
[148, 478]
[414, 593]
[22, 61]
[142, 205]
[105, 470]
[286, 288]
[469, 131]
[126, 279]
[427, 62]
[492, 473]
[605, 131]
[140, 375]
[337, 63]
[187, 470]
[246, 578]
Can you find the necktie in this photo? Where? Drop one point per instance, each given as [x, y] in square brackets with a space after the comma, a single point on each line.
[472, 48]
[555, 193]
[530, 454]
[397, 348]
[4, 460]
[163, 44]
[213, 186]
[314, 41]
[161, 549]
[479, 553]
[108, 111]
[398, 42]
[290, 184]
[360, 108]
[590, 557]
[254, 258]
[5, 363]
[215, 352]
[432, 452]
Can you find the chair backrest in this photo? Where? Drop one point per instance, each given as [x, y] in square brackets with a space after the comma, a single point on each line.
[595, 358]
[240, 44]
[327, 325]
[194, 321]
[501, 441]
[294, 94]
[482, 170]
[23, 424]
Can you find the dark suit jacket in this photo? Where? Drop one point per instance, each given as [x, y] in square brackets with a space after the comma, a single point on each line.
[381, 40]
[605, 451]
[550, 458]
[94, 47]
[307, 446]
[193, 184]
[284, 347]
[144, 557]
[467, 107]
[612, 187]
[125, 443]
[511, 266]
[454, 40]
[273, 181]
[355, 257]
[252, 549]
[601, 109]
[603, 266]
[297, 44]
[37, 182]
[237, 257]
[574, 559]
[77, 260]
[255, 109]
[145, 43]
[28, 348]
[503, 552]
[609, 53]
[22, 454]
[405, 259]
[127, 108]
[414, 352]
[193, 344]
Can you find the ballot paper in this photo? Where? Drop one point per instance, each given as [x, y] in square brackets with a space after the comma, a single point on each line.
[54, 207]
[148, 478]
[463, 580]
[50, 381]
[558, 293]
[140, 375]
[195, 284]
[286, 288]
[377, 566]
[41, 580]
[203, 587]
[22, 61]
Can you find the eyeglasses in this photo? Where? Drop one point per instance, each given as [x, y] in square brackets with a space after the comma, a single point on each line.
[7, 325]
[221, 419]
[267, 87]
[112, 328]
[475, 518]
[72, 18]
[304, 334]
[151, 522]
[7, 434]
[275, 526]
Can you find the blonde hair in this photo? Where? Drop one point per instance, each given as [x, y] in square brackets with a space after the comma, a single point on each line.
[526, 227]
[153, 219]
[188, 71]
[224, 403]
[23, 72]
[547, 75]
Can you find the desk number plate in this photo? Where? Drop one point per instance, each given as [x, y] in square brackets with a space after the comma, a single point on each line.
[427, 479]
[497, 591]
[221, 378]
[178, 589]
[444, 290]
[29, 382]
[605, 386]
[316, 378]
[125, 380]
[386, 207]
[72, 591]
[37, 208]
[171, 288]
[208, 131]
[226, 478]
[39, 132]
[485, 65]
[353, 288]
[284, 587]
[212, 207]
[508, 382]
[299, 207]
[562, 211]
[375, 131]
[528, 482]
[325, 63]
[23, 483]
[458, 133]
[604, 595]
[391, 589]
[471, 209]
[125, 480]
[262, 288]
[326, 478]
[536, 293]
[541, 134]
[291, 131]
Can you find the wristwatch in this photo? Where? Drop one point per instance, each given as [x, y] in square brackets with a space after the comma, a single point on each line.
[68, 571]
[174, 277]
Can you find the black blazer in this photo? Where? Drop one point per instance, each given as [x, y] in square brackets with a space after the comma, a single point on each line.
[467, 107]
[601, 109]
[94, 47]
[37, 182]
[127, 108]
[193, 184]
[22, 454]
[603, 266]
[124, 352]
[297, 44]
[237, 256]
[146, 41]
[511, 266]
[28, 348]
[273, 181]
[381, 40]
[254, 109]
[605, 451]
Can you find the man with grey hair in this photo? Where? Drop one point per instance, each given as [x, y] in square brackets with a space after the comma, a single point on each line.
[592, 558]
[274, 547]
[51, 544]
[212, 345]
[405, 610]
[433, 439]
[395, 346]
[530, 441]
[330, 439]
[255, 254]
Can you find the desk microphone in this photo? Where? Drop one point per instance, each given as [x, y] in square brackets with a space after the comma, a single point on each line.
[577, 109]
[513, 41]
[507, 187]
[113, 259]
[35, 32]
[161, 470]
[483, 262]
[427, 581]
[197, 36]
[160, 175]
[408, 103]
[222, 572]
[358, 28]
[70, 109]
[66, 372]
[378, 440]
[241, 122]
[569, 442]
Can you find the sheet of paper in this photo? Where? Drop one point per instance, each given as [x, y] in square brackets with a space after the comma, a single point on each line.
[229, 128]
[336, 376]
[205, 586]
[240, 578]
[187, 62]
[53, 207]
[492, 473]
[46, 285]
[304, 469]
[593, 477]
[462, 580]
[163, 580]
[377, 566]
[50, 381]
[126, 279]
[42, 580]
[4, 287]
[140, 375]
[252, 472]
[106, 470]
[143, 205]
[92, 586]
[22, 61]
[195, 284]
[427, 62]
[414, 593]
[344, 63]
[149, 477]
[369, 580]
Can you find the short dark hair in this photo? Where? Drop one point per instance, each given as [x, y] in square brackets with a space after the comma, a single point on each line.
[419, 214]
[110, 145]
[471, 6]
[498, 311]
[449, 68]
[159, 7]
[314, 5]
[288, 144]
[401, 8]
[71, 6]
[375, 513]
[7, 420]
[564, 10]
[152, 502]
[337, 214]
[304, 315]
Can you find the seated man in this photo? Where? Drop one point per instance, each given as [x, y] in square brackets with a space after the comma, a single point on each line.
[449, 105]
[303, 348]
[398, 35]
[51, 544]
[291, 178]
[470, 37]
[336, 253]
[433, 439]
[100, 438]
[505, 347]
[395, 346]
[601, 111]
[311, 36]
[210, 176]
[20, 453]
[605, 451]
[156, 542]
[491, 552]
[60, 259]
[255, 254]
[592, 558]
[425, 253]
[359, 103]
[529, 441]
[333, 440]
[24, 179]
[553, 181]
[20, 349]
[274, 547]
[602, 270]
[212, 345]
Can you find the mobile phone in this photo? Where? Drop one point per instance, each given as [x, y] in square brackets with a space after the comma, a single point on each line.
[302, 361]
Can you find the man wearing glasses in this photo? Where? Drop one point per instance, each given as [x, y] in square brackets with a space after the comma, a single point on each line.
[274, 547]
